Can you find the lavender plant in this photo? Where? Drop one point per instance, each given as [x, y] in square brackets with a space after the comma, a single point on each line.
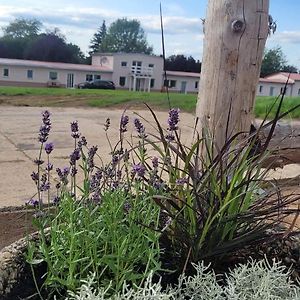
[98, 226]
[153, 207]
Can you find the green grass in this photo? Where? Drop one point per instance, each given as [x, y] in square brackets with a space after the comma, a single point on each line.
[263, 104]
[109, 98]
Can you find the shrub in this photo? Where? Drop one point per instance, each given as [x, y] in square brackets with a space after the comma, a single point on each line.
[251, 281]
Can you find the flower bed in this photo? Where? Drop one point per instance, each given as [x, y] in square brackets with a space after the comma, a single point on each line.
[157, 208]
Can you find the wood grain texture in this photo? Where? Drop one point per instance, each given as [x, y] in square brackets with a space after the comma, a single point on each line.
[235, 36]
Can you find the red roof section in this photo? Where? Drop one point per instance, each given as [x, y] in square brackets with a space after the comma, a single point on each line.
[52, 65]
[294, 76]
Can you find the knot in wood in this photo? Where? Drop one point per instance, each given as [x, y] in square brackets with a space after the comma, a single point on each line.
[237, 25]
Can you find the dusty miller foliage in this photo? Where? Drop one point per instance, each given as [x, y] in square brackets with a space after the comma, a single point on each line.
[252, 281]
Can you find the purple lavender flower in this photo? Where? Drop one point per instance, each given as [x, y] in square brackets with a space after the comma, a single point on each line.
[115, 159]
[75, 130]
[155, 162]
[46, 118]
[119, 174]
[32, 202]
[90, 159]
[181, 181]
[56, 200]
[45, 186]
[170, 137]
[45, 127]
[74, 157]
[34, 176]
[73, 171]
[58, 185]
[66, 171]
[49, 167]
[63, 174]
[138, 169]
[38, 162]
[49, 148]
[82, 142]
[123, 123]
[44, 133]
[173, 119]
[107, 124]
[139, 128]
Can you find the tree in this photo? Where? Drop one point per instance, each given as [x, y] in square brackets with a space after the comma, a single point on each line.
[126, 36]
[96, 42]
[22, 28]
[52, 46]
[22, 40]
[274, 61]
[290, 69]
[182, 63]
[235, 36]
[17, 35]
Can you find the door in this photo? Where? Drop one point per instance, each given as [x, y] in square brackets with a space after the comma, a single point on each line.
[70, 80]
[183, 87]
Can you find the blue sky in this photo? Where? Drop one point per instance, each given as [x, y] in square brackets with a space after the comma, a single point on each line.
[79, 20]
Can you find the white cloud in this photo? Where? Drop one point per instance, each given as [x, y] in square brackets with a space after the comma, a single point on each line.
[80, 23]
[292, 37]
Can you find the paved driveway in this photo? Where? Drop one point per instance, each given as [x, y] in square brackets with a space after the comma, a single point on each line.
[19, 147]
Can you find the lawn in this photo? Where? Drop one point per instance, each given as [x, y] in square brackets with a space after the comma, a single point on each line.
[119, 98]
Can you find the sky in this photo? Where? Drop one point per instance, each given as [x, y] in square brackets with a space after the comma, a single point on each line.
[79, 20]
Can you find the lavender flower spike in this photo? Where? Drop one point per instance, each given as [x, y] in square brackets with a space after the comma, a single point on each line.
[123, 123]
[139, 128]
[173, 119]
[138, 169]
[45, 127]
[49, 148]
[75, 130]
[74, 156]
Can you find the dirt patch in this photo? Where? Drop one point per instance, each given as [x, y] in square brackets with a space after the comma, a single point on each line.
[14, 224]
[47, 100]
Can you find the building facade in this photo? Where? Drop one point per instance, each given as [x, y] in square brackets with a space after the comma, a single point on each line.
[131, 71]
[274, 85]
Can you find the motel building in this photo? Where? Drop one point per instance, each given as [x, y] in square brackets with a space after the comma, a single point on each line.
[131, 71]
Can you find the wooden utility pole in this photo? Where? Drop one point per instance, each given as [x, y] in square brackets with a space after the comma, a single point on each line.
[235, 33]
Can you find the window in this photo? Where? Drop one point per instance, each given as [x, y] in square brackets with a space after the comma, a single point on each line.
[137, 63]
[261, 88]
[52, 75]
[152, 82]
[5, 72]
[170, 83]
[89, 77]
[29, 74]
[196, 84]
[124, 63]
[122, 81]
[97, 77]
[151, 65]
[271, 90]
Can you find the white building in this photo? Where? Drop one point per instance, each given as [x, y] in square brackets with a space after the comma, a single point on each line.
[132, 71]
[128, 71]
[273, 85]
